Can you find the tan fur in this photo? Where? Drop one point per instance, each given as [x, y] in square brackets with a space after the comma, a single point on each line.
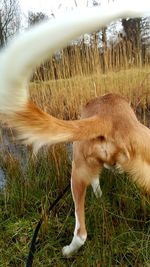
[126, 146]
[39, 128]
[108, 133]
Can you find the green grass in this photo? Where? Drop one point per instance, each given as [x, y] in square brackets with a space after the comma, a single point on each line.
[118, 224]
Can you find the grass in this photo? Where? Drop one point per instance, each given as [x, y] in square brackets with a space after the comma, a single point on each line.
[118, 228]
[118, 224]
[65, 97]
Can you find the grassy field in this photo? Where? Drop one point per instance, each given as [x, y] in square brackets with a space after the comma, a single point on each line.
[118, 224]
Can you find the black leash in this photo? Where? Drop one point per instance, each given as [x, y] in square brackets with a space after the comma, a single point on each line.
[33, 242]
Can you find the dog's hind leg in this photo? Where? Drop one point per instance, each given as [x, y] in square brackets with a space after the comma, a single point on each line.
[78, 186]
[83, 175]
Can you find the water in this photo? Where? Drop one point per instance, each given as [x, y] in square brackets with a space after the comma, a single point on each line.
[2, 178]
[18, 152]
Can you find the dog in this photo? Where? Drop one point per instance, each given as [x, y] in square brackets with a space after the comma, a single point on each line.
[108, 133]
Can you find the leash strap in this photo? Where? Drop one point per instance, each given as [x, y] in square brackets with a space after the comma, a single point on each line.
[32, 248]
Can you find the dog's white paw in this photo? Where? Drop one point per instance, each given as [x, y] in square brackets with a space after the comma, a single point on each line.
[96, 188]
[66, 251]
[98, 192]
[76, 243]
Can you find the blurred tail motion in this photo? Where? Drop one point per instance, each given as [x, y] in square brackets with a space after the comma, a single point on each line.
[26, 51]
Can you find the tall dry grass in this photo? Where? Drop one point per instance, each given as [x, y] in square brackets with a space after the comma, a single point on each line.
[81, 72]
[84, 60]
[64, 98]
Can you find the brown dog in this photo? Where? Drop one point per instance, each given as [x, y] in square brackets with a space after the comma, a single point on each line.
[123, 143]
[108, 134]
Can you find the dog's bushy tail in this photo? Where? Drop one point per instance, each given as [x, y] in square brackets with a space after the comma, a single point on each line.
[39, 128]
[28, 50]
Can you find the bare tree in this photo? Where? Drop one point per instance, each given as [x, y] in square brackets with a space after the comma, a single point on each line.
[9, 19]
[145, 25]
[132, 29]
[34, 18]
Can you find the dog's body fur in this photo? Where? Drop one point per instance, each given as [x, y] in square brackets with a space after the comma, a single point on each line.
[125, 146]
[108, 133]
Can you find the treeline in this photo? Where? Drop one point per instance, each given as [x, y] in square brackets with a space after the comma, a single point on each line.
[131, 48]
